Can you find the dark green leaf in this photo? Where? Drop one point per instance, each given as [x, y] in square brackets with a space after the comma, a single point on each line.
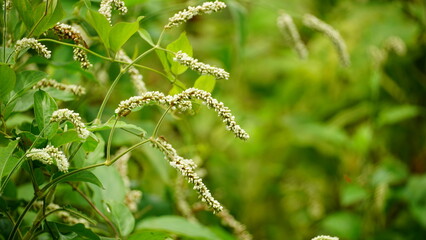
[121, 32]
[345, 225]
[149, 235]
[205, 82]
[8, 80]
[6, 160]
[180, 44]
[84, 176]
[77, 231]
[177, 225]
[44, 106]
[122, 217]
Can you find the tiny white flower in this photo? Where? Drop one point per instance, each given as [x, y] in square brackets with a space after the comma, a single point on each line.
[194, 64]
[34, 44]
[66, 114]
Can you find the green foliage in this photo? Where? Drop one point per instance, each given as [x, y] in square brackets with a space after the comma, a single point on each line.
[333, 151]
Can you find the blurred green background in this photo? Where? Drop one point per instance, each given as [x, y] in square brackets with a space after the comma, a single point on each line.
[333, 150]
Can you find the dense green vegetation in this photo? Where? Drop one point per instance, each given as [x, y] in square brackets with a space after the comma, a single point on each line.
[333, 150]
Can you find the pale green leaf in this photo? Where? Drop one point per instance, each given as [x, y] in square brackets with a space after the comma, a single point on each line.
[180, 44]
[121, 32]
[205, 82]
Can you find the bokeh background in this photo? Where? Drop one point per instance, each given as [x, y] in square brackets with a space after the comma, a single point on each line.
[333, 150]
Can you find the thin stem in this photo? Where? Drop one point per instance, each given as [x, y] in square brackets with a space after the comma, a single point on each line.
[160, 121]
[13, 222]
[128, 150]
[18, 163]
[110, 139]
[108, 95]
[58, 179]
[75, 152]
[107, 220]
[33, 180]
[21, 217]
[4, 29]
[160, 38]
[101, 56]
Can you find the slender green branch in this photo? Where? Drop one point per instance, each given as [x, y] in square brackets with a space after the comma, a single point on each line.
[111, 133]
[107, 220]
[58, 179]
[128, 150]
[33, 180]
[13, 222]
[108, 95]
[21, 217]
[101, 56]
[18, 163]
[4, 29]
[75, 152]
[160, 121]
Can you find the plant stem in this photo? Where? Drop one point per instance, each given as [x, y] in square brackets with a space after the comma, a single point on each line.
[21, 217]
[39, 21]
[128, 150]
[159, 122]
[107, 220]
[4, 29]
[110, 139]
[108, 95]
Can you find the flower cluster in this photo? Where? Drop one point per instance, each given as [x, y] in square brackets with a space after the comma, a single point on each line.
[187, 168]
[62, 214]
[65, 31]
[135, 75]
[107, 6]
[222, 111]
[50, 155]
[66, 114]
[316, 24]
[190, 12]
[126, 106]
[194, 64]
[132, 199]
[288, 29]
[182, 102]
[34, 44]
[75, 89]
[325, 237]
[396, 44]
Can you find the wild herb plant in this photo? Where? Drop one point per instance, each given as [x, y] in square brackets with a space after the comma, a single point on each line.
[49, 150]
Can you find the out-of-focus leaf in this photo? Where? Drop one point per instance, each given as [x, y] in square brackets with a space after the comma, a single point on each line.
[177, 225]
[121, 216]
[8, 78]
[352, 193]
[121, 32]
[346, 225]
[397, 114]
[120, 125]
[149, 235]
[205, 82]
[415, 194]
[389, 171]
[180, 44]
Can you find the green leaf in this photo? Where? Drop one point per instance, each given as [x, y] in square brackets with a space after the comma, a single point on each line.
[180, 44]
[177, 225]
[44, 106]
[397, 114]
[163, 59]
[77, 231]
[101, 26]
[114, 186]
[8, 80]
[351, 194]
[34, 15]
[149, 235]
[415, 194]
[144, 34]
[84, 176]
[122, 217]
[6, 163]
[346, 225]
[121, 32]
[205, 82]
